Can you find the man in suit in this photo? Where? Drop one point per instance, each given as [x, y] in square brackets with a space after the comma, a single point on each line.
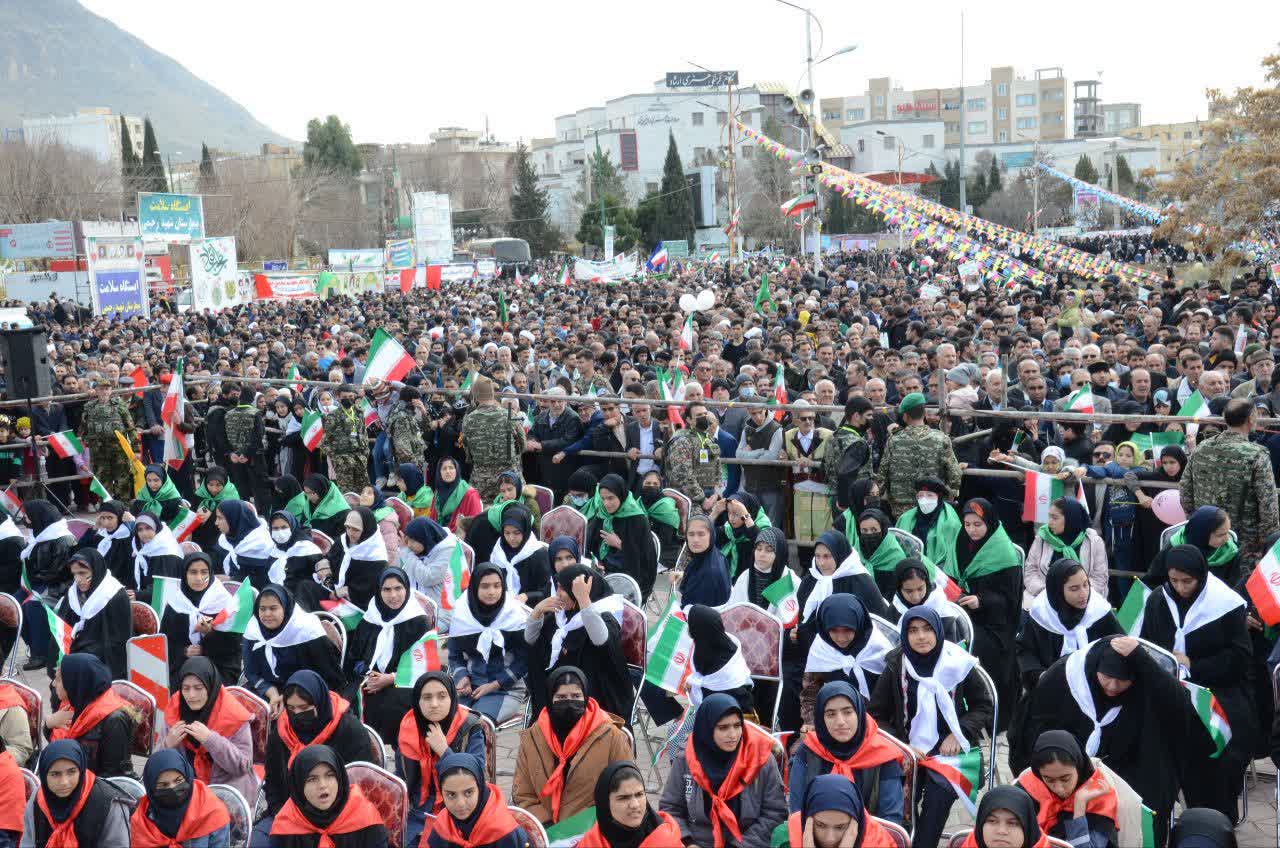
[644, 436]
[551, 433]
[610, 436]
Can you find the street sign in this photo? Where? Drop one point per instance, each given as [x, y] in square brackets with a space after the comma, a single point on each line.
[701, 79]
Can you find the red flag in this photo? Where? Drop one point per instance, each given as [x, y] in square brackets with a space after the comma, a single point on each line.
[433, 277]
[262, 288]
[139, 379]
[406, 280]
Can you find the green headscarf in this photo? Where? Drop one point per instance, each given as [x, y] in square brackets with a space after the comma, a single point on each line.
[628, 508]
[424, 497]
[664, 511]
[1221, 555]
[209, 503]
[330, 505]
[940, 545]
[996, 554]
[298, 506]
[886, 556]
[168, 492]
[494, 512]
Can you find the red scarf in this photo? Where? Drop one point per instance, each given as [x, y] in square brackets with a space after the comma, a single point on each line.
[564, 752]
[89, 718]
[227, 716]
[205, 814]
[873, 835]
[494, 822]
[13, 793]
[356, 814]
[9, 697]
[64, 832]
[414, 746]
[971, 841]
[873, 751]
[665, 835]
[754, 751]
[1051, 806]
[337, 706]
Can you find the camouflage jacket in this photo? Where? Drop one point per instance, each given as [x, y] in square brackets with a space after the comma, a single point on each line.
[405, 431]
[492, 437]
[833, 449]
[683, 467]
[241, 426]
[915, 452]
[597, 384]
[345, 433]
[100, 420]
[1233, 473]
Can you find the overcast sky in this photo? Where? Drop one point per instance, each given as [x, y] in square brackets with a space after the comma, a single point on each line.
[395, 70]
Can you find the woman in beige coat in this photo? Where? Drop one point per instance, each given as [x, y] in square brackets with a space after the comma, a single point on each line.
[1067, 535]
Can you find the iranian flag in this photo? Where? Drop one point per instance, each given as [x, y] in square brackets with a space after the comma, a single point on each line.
[96, 488]
[714, 257]
[938, 577]
[779, 393]
[1041, 490]
[566, 832]
[1148, 827]
[185, 523]
[962, 772]
[367, 412]
[348, 613]
[239, 618]
[10, 502]
[564, 276]
[1081, 401]
[61, 632]
[424, 656]
[686, 334]
[296, 376]
[66, 445]
[782, 595]
[670, 650]
[312, 430]
[456, 578]
[163, 590]
[796, 205]
[1135, 603]
[665, 393]
[1157, 442]
[387, 359]
[1193, 407]
[175, 444]
[1211, 714]
[1263, 586]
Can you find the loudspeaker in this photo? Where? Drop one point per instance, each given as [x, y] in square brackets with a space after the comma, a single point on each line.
[24, 355]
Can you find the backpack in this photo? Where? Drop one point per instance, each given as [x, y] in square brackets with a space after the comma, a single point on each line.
[852, 460]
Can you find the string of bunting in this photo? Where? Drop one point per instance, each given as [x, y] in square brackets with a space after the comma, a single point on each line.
[1141, 210]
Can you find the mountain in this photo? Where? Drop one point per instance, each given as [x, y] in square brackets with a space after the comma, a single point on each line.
[57, 57]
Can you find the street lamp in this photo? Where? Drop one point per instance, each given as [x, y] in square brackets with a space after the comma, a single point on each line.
[1035, 183]
[843, 50]
[913, 153]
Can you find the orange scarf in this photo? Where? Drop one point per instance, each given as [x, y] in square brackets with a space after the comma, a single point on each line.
[971, 841]
[357, 814]
[414, 746]
[13, 793]
[9, 697]
[205, 814]
[1051, 806]
[754, 751]
[227, 716]
[665, 835]
[494, 822]
[64, 832]
[89, 718]
[337, 706]
[873, 835]
[873, 751]
[564, 752]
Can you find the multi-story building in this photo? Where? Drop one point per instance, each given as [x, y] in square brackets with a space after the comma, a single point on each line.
[1175, 141]
[96, 131]
[1118, 117]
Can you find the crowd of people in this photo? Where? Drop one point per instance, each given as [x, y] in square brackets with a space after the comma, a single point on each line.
[877, 515]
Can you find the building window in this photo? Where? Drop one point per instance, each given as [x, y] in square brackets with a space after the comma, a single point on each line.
[697, 119]
[857, 114]
[1187, 134]
[1002, 114]
[879, 99]
[1004, 136]
[698, 153]
[1168, 136]
[629, 158]
[1025, 100]
[650, 188]
[862, 145]
[926, 141]
[977, 104]
[890, 143]
[1026, 123]
[976, 127]
[1002, 90]
[952, 126]
[746, 151]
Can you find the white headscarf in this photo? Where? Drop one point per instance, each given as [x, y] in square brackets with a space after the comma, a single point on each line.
[384, 647]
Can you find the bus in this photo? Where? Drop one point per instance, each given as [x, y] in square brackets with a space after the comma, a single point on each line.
[506, 251]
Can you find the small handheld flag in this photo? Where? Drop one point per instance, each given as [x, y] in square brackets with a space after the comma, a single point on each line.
[963, 773]
[66, 445]
[312, 430]
[424, 656]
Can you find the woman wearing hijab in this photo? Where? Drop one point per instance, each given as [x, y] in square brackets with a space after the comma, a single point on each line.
[1074, 800]
[11, 544]
[359, 555]
[833, 816]
[215, 489]
[522, 556]
[878, 549]
[581, 626]
[209, 727]
[705, 574]
[768, 566]
[564, 750]
[918, 582]
[848, 647]
[475, 814]
[624, 817]
[455, 498]
[1202, 621]
[933, 521]
[281, 639]
[393, 623]
[1067, 535]
[930, 697]
[385, 516]
[112, 536]
[158, 495]
[426, 551]
[414, 490]
[294, 545]
[1065, 617]
[1209, 531]
[179, 807]
[1148, 528]
[487, 651]
[618, 534]
[312, 715]
[73, 808]
[156, 553]
[664, 516]
[287, 494]
[845, 741]
[434, 726]
[1124, 709]
[1006, 819]
[1201, 828]
[44, 559]
[92, 714]
[717, 662]
[245, 548]
[97, 608]
[12, 799]
[836, 569]
[724, 789]
[325, 505]
[988, 573]
[738, 519]
[324, 809]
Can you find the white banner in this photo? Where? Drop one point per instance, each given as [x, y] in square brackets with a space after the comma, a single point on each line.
[585, 269]
[366, 259]
[214, 278]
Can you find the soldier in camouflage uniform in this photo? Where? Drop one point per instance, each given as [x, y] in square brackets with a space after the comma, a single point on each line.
[856, 413]
[589, 384]
[404, 429]
[493, 438]
[346, 441]
[247, 455]
[691, 459]
[102, 417]
[914, 452]
[1233, 473]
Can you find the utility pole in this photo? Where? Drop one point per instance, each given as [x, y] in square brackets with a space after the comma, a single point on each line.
[899, 189]
[963, 204]
[1115, 183]
[814, 117]
[1035, 189]
[731, 128]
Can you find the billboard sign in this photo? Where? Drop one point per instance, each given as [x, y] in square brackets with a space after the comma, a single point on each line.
[117, 279]
[170, 218]
[432, 227]
[214, 278]
[364, 259]
[51, 240]
[400, 254]
[701, 79]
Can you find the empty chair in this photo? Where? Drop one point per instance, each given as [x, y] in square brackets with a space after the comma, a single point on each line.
[145, 622]
[387, 793]
[144, 731]
[241, 815]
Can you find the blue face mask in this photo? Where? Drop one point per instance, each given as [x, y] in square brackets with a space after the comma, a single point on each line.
[747, 391]
[544, 364]
[577, 500]
[1064, 382]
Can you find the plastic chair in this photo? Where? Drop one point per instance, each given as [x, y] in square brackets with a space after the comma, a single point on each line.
[322, 541]
[388, 794]
[78, 526]
[657, 546]
[624, 585]
[190, 548]
[545, 498]
[241, 815]
[964, 624]
[901, 838]
[30, 782]
[376, 746]
[889, 631]
[145, 620]
[490, 747]
[532, 827]
[990, 685]
[1022, 555]
[144, 733]
[913, 546]
[433, 611]
[325, 615]
[33, 704]
[129, 786]
[11, 619]
[635, 648]
[684, 506]
[404, 512]
[260, 722]
[565, 521]
[760, 635]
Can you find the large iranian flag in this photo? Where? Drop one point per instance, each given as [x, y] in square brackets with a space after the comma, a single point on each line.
[963, 773]
[312, 430]
[60, 630]
[424, 656]
[171, 413]
[1081, 401]
[782, 594]
[1211, 714]
[670, 649]
[1041, 490]
[66, 445]
[387, 359]
[1263, 586]
[566, 832]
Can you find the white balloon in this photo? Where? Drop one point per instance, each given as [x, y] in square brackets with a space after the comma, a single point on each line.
[688, 303]
[706, 299]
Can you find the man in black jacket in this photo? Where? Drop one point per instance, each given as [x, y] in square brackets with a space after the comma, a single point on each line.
[552, 431]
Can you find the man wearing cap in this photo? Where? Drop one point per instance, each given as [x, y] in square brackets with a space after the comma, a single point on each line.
[1261, 366]
[493, 438]
[913, 452]
[102, 417]
[346, 441]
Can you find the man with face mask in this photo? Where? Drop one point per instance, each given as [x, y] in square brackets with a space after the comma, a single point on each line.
[346, 440]
[692, 463]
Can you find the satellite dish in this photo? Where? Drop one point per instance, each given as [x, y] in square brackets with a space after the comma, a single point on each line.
[688, 303]
[706, 299]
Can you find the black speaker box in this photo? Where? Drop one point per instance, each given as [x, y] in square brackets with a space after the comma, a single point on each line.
[24, 354]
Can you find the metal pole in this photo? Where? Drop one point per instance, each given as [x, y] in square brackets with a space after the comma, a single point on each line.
[730, 128]
[899, 189]
[1115, 184]
[815, 114]
[1035, 189]
[963, 204]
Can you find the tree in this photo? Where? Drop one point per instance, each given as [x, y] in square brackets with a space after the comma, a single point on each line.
[43, 180]
[153, 176]
[994, 180]
[1085, 170]
[623, 219]
[932, 191]
[949, 191]
[1013, 205]
[647, 212]
[605, 178]
[843, 216]
[329, 147]
[529, 204]
[208, 182]
[766, 186]
[675, 210]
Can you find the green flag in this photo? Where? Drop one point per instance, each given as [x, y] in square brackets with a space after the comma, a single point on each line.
[96, 488]
[763, 296]
[502, 307]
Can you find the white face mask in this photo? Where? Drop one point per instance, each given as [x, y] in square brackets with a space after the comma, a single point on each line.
[282, 535]
[927, 503]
